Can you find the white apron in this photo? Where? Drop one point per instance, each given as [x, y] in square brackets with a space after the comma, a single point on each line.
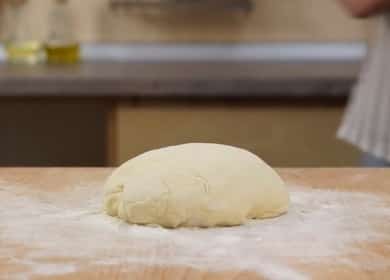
[366, 123]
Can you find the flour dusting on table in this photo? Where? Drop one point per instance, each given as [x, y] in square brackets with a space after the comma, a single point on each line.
[71, 226]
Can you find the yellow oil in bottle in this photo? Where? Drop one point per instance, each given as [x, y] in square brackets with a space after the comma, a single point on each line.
[63, 53]
[30, 52]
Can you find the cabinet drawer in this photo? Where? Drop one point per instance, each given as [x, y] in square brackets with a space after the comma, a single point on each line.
[281, 135]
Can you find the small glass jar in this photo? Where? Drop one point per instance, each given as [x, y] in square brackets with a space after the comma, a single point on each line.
[61, 46]
[22, 44]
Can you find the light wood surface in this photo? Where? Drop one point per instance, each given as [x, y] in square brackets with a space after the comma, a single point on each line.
[58, 180]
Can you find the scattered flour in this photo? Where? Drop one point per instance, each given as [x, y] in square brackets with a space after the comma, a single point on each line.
[322, 226]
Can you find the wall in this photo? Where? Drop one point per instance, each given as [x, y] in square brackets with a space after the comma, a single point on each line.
[280, 20]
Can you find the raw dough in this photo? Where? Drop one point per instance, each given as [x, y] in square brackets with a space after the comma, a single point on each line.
[195, 184]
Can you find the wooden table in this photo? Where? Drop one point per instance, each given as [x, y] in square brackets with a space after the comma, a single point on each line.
[51, 227]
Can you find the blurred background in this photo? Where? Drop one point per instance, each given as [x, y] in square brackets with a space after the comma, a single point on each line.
[96, 82]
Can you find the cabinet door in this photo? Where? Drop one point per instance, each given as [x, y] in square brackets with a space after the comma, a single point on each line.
[281, 135]
[52, 132]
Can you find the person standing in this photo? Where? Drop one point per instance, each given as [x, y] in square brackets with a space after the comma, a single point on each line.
[366, 122]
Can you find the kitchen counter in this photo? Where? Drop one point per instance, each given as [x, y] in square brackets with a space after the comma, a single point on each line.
[337, 227]
[186, 70]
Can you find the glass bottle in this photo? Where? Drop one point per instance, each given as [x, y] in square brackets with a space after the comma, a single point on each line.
[22, 44]
[61, 46]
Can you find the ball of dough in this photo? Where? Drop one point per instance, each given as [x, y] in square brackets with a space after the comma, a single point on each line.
[196, 185]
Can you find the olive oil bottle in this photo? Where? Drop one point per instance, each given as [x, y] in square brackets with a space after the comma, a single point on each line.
[21, 44]
[25, 52]
[63, 53]
[61, 46]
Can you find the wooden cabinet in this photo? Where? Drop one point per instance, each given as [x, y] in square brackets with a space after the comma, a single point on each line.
[52, 132]
[282, 134]
[73, 132]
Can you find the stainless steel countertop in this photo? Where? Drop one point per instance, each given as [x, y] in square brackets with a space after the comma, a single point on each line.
[192, 70]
